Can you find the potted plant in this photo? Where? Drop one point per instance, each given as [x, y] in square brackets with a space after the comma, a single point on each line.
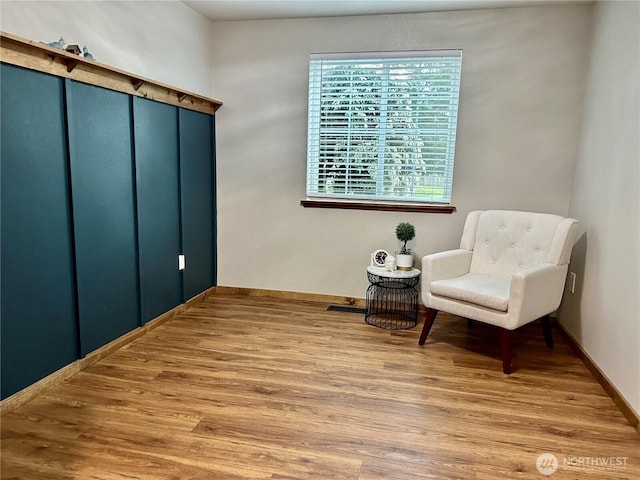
[404, 257]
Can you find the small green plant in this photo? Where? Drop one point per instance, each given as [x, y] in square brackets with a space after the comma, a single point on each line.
[405, 232]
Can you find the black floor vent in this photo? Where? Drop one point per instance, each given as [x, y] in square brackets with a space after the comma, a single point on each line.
[347, 309]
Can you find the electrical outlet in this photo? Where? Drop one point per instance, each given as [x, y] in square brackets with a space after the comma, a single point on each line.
[572, 282]
[181, 263]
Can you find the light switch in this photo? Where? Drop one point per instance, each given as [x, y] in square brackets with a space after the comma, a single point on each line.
[181, 263]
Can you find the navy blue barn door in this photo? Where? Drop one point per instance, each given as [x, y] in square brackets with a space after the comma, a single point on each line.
[197, 173]
[157, 180]
[38, 327]
[102, 181]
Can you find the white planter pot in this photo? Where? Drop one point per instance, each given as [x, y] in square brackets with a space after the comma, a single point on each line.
[404, 261]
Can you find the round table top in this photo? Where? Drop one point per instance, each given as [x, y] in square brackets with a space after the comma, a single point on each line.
[381, 272]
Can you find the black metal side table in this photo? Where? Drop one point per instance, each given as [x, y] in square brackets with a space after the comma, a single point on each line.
[392, 299]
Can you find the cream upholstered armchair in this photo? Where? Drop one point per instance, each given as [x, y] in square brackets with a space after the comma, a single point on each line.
[510, 270]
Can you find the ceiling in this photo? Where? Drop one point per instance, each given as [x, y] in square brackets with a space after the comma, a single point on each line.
[226, 10]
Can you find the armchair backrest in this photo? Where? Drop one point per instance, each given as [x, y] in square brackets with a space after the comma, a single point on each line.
[505, 242]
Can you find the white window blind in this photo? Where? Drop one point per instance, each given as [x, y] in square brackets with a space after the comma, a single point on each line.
[382, 126]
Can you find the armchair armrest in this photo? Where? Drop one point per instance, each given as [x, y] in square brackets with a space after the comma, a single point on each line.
[449, 264]
[535, 292]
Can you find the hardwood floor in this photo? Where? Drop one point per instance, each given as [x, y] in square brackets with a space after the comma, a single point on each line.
[244, 387]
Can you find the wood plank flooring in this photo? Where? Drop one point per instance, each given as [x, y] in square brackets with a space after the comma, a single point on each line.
[243, 387]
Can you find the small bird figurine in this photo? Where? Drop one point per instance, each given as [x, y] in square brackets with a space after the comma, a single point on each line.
[86, 54]
[58, 44]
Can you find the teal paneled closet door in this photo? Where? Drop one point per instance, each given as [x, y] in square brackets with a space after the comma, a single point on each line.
[102, 182]
[38, 326]
[197, 174]
[157, 180]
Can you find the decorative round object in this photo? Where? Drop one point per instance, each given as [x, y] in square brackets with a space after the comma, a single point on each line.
[378, 258]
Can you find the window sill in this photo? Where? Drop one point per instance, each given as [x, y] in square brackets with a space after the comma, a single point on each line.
[384, 207]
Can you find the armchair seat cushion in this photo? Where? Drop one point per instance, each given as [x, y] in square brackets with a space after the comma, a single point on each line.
[489, 292]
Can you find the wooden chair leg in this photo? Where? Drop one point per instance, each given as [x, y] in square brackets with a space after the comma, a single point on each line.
[505, 347]
[546, 329]
[428, 323]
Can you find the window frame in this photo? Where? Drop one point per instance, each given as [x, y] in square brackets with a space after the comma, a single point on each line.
[315, 198]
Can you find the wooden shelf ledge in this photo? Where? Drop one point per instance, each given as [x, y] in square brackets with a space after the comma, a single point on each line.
[384, 207]
[38, 56]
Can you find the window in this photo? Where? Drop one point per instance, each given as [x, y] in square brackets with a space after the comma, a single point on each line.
[382, 126]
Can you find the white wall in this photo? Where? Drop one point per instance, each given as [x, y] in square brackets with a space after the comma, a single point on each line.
[523, 75]
[164, 41]
[604, 313]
